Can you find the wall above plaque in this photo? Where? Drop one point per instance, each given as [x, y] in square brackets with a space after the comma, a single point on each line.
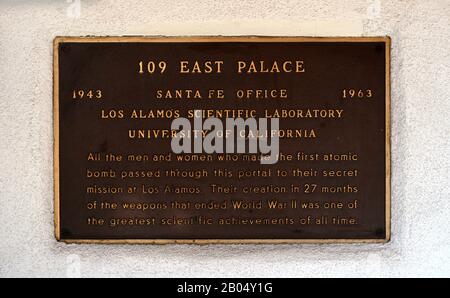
[222, 139]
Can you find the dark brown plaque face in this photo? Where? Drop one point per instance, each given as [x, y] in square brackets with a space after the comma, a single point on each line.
[119, 178]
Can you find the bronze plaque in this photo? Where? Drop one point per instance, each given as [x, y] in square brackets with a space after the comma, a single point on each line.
[118, 178]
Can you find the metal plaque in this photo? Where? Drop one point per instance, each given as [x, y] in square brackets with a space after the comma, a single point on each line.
[222, 139]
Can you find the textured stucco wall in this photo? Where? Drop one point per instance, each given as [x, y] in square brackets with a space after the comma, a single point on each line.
[420, 31]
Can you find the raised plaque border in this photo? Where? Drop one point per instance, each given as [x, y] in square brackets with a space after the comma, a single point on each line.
[105, 39]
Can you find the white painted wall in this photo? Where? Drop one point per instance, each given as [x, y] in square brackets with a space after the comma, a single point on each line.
[420, 31]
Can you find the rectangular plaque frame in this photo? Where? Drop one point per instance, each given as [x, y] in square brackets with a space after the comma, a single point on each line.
[148, 39]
